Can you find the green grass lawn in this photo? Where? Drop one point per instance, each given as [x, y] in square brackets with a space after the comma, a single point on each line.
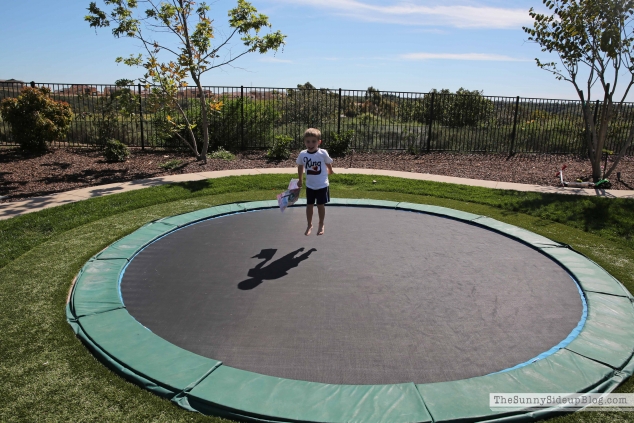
[46, 374]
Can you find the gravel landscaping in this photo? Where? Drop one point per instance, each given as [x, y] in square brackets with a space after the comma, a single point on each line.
[64, 169]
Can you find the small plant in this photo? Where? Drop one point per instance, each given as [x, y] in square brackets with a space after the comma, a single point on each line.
[222, 154]
[171, 164]
[36, 119]
[116, 151]
[339, 145]
[281, 148]
[413, 149]
[367, 119]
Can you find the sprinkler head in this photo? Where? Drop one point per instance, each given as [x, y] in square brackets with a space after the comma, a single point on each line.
[618, 176]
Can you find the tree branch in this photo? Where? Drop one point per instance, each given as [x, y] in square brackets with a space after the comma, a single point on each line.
[191, 133]
[214, 51]
[228, 61]
[624, 147]
[627, 90]
[186, 143]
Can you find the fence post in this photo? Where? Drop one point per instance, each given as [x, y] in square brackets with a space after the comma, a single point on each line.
[517, 106]
[431, 121]
[242, 117]
[339, 114]
[141, 118]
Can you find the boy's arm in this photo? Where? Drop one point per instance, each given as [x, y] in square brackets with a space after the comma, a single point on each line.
[300, 175]
[328, 162]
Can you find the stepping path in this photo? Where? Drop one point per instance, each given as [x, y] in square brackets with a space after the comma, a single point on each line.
[8, 210]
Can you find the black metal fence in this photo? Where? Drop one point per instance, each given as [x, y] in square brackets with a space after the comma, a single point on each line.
[251, 118]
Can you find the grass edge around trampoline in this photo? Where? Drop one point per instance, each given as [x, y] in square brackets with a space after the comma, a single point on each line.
[50, 376]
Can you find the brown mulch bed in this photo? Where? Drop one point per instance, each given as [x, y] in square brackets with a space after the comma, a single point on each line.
[64, 169]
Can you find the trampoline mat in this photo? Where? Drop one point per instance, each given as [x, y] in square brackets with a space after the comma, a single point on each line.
[384, 297]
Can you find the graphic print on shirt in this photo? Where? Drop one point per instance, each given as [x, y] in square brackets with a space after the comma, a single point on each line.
[312, 167]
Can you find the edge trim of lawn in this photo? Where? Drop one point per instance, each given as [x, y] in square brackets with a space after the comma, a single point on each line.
[594, 358]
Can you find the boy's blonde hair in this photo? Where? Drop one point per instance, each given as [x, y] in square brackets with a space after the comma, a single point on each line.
[312, 132]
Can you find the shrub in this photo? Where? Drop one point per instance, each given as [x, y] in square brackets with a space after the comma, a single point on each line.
[413, 149]
[239, 119]
[466, 108]
[121, 102]
[221, 153]
[116, 151]
[349, 107]
[36, 119]
[368, 119]
[243, 119]
[463, 108]
[281, 148]
[171, 164]
[339, 144]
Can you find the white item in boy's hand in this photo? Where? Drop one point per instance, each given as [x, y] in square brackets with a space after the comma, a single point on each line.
[290, 196]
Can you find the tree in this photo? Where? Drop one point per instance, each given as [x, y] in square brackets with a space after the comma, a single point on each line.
[373, 95]
[194, 53]
[467, 108]
[593, 36]
[306, 86]
[459, 109]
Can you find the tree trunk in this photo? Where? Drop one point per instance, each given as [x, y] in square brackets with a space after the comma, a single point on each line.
[597, 137]
[204, 124]
[602, 136]
[621, 154]
[588, 122]
[596, 167]
[594, 153]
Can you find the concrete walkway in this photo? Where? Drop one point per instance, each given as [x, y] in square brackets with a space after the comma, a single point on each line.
[8, 210]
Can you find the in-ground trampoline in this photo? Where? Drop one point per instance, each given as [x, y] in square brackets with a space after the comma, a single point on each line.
[400, 313]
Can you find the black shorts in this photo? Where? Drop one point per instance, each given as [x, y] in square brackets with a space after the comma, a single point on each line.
[322, 196]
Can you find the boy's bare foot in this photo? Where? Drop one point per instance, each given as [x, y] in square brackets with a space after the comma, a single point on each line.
[308, 230]
[321, 230]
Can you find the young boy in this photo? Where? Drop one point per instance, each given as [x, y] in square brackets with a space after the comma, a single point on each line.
[318, 165]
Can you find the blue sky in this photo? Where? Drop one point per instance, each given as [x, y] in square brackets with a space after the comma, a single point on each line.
[410, 45]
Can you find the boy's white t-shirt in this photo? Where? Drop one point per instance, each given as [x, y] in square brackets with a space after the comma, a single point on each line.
[315, 167]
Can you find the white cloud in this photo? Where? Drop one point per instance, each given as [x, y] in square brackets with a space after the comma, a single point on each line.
[461, 56]
[413, 13]
[274, 60]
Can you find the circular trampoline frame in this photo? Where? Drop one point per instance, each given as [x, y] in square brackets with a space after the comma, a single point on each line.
[595, 358]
